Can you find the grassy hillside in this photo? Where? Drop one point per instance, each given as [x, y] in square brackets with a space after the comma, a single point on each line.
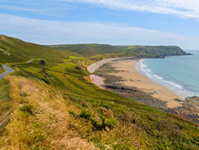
[89, 49]
[15, 50]
[52, 105]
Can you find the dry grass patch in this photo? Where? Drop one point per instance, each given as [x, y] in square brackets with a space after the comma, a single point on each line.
[87, 78]
[47, 125]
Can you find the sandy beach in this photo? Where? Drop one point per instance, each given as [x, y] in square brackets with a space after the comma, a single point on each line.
[132, 78]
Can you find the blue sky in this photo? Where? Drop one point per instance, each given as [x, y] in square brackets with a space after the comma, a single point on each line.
[115, 22]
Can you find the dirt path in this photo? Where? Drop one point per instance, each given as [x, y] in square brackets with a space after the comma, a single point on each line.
[97, 80]
[92, 68]
[5, 119]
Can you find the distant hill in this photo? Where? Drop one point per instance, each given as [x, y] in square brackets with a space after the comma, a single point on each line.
[153, 51]
[15, 50]
[89, 49]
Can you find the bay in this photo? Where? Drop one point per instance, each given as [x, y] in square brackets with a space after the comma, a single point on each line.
[177, 73]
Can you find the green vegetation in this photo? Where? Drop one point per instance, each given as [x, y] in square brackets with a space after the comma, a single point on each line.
[121, 118]
[97, 51]
[1, 69]
[53, 105]
[26, 108]
[4, 97]
[153, 51]
[88, 50]
[15, 50]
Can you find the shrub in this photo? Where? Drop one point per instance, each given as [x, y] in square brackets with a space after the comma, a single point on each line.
[26, 108]
[42, 62]
[96, 124]
[73, 113]
[85, 114]
[111, 123]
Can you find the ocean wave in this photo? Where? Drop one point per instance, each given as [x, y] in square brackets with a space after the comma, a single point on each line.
[141, 67]
[181, 88]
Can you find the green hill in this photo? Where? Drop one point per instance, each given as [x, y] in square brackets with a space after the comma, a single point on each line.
[153, 51]
[52, 105]
[89, 49]
[15, 50]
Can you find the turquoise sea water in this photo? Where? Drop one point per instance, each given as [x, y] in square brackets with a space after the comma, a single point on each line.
[178, 73]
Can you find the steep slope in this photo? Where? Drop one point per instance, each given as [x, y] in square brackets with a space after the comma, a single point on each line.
[15, 50]
[56, 108]
[51, 105]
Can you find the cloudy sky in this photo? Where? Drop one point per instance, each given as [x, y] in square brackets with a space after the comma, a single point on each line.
[115, 22]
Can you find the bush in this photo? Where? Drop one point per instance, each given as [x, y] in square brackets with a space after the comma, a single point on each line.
[26, 108]
[85, 114]
[71, 112]
[111, 123]
[96, 124]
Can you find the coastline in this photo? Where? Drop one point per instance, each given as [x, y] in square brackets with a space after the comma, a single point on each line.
[125, 69]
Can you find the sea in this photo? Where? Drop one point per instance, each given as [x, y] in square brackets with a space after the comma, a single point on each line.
[177, 73]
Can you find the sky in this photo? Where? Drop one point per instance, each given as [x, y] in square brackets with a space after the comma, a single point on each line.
[115, 22]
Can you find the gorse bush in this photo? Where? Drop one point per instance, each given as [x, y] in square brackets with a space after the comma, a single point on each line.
[85, 114]
[97, 125]
[26, 108]
[111, 123]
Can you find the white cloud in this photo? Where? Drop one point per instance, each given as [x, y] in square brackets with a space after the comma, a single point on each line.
[60, 32]
[183, 8]
[9, 7]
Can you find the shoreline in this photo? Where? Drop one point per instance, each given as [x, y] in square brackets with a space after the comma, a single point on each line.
[171, 85]
[131, 77]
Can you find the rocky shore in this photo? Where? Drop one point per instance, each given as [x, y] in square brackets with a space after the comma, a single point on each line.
[188, 110]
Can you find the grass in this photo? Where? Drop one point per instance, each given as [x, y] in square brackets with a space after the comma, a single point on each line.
[20, 51]
[88, 50]
[1, 69]
[4, 97]
[63, 67]
[105, 119]
[40, 119]
[54, 107]
[33, 70]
